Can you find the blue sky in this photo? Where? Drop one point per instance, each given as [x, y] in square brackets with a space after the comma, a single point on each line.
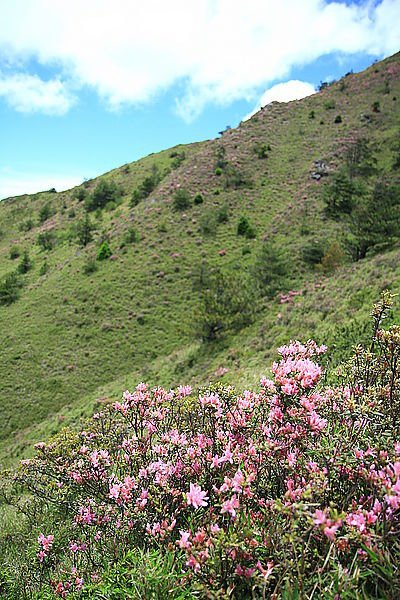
[88, 85]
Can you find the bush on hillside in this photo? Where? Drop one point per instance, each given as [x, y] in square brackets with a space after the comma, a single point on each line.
[25, 264]
[104, 251]
[105, 192]
[291, 490]
[46, 240]
[84, 231]
[9, 289]
[228, 303]
[181, 199]
[26, 225]
[245, 228]
[15, 252]
[270, 270]
[45, 213]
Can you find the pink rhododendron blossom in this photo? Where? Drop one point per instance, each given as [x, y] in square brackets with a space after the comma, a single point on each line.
[196, 496]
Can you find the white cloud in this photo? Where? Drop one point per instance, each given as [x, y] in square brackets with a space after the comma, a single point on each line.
[283, 92]
[28, 94]
[16, 184]
[217, 50]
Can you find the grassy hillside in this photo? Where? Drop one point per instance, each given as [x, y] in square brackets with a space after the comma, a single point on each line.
[80, 329]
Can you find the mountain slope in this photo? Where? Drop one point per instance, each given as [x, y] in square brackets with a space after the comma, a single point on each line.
[76, 334]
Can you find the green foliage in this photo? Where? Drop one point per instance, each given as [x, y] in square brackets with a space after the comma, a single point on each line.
[360, 159]
[228, 303]
[84, 231]
[313, 252]
[245, 228]
[25, 264]
[80, 194]
[46, 240]
[223, 214]
[146, 187]
[144, 575]
[376, 106]
[341, 194]
[43, 269]
[198, 199]
[220, 158]
[177, 159]
[15, 252]
[261, 150]
[270, 270]
[104, 193]
[218, 171]
[338, 119]
[181, 199]
[132, 236]
[333, 258]
[26, 225]
[104, 251]
[375, 222]
[329, 104]
[9, 289]
[234, 178]
[208, 222]
[90, 266]
[311, 114]
[45, 213]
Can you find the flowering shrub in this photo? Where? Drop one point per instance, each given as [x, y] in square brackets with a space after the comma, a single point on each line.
[289, 491]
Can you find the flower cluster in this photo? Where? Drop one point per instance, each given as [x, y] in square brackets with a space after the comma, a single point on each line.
[242, 486]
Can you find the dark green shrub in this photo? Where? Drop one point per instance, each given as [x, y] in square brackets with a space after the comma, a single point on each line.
[131, 236]
[25, 265]
[15, 252]
[45, 213]
[198, 199]
[90, 266]
[9, 289]
[218, 171]
[177, 159]
[376, 107]
[234, 178]
[313, 252]
[80, 194]
[26, 225]
[340, 195]
[228, 303]
[46, 240]
[329, 104]
[311, 114]
[338, 119]
[245, 229]
[84, 231]
[105, 192]
[181, 200]
[270, 270]
[208, 223]
[261, 150]
[135, 198]
[104, 251]
[223, 215]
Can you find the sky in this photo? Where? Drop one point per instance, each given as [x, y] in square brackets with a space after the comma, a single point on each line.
[89, 85]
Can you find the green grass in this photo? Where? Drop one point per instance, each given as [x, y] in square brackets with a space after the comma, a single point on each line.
[74, 339]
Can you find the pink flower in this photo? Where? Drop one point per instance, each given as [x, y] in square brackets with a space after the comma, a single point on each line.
[230, 506]
[196, 497]
[184, 541]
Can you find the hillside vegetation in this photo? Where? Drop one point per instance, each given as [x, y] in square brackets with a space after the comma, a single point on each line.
[193, 264]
